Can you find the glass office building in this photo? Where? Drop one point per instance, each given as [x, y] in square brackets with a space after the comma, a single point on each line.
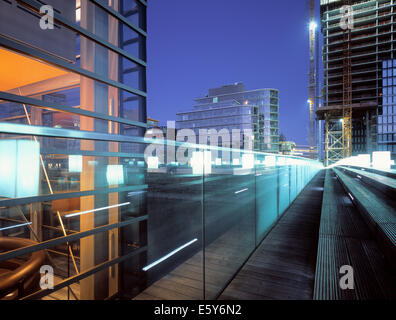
[387, 121]
[73, 106]
[233, 107]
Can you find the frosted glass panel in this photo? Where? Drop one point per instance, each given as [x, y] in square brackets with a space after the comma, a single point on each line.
[266, 200]
[284, 188]
[20, 168]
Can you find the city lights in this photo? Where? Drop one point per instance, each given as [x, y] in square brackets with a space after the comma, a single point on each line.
[115, 174]
[382, 160]
[75, 163]
[152, 162]
[312, 26]
[248, 161]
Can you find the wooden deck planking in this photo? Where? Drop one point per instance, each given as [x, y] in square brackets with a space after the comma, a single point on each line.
[345, 239]
[283, 267]
[223, 258]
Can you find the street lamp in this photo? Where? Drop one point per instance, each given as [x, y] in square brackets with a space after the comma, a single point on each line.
[312, 26]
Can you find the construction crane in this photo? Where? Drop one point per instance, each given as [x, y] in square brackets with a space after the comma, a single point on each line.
[347, 92]
[312, 77]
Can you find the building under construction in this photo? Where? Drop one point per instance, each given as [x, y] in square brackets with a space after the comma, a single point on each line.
[359, 78]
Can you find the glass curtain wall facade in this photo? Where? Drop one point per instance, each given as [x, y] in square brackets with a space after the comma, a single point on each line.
[72, 109]
[224, 115]
[267, 101]
[387, 121]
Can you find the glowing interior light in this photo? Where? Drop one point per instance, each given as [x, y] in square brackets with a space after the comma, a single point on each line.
[16, 226]
[75, 163]
[382, 160]
[208, 162]
[19, 168]
[115, 174]
[240, 191]
[363, 160]
[235, 162]
[218, 162]
[270, 161]
[197, 162]
[151, 265]
[96, 210]
[201, 162]
[281, 161]
[152, 163]
[247, 161]
[78, 15]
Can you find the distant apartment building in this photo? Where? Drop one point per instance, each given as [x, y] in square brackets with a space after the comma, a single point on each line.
[373, 67]
[232, 107]
[287, 147]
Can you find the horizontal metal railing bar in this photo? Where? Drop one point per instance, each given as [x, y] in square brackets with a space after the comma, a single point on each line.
[69, 238]
[67, 282]
[53, 106]
[120, 17]
[68, 195]
[24, 129]
[91, 153]
[28, 50]
[75, 27]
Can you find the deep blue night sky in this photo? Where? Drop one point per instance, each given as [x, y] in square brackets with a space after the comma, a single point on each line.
[196, 45]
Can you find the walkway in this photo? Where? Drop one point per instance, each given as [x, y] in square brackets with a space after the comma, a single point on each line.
[283, 267]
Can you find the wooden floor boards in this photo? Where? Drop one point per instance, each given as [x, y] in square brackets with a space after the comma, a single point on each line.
[283, 267]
